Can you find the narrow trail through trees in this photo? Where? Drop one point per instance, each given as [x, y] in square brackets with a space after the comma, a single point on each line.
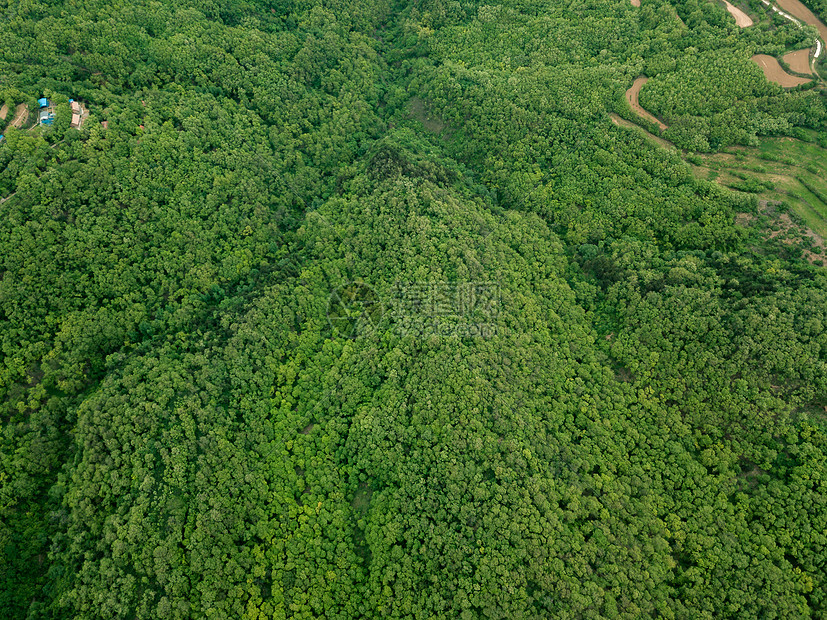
[20, 116]
[632, 98]
[622, 122]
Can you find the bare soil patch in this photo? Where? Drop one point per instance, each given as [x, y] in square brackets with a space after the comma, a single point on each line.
[742, 20]
[632, 98]
[743, 219]
[4, 112]
[799, 61]
[774, 73]
[21, 114]
[635, 2]
[790, 233]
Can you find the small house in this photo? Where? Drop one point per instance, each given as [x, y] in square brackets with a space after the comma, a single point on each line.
[79, 113]
[47, 112]
[47, 116]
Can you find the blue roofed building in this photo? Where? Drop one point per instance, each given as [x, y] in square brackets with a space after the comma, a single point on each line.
[47, 112]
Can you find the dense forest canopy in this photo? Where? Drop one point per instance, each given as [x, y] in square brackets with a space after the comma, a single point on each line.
[337, 308]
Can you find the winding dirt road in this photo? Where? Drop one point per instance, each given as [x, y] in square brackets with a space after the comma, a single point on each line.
[797, 9]
[632, 98]
[622, 122]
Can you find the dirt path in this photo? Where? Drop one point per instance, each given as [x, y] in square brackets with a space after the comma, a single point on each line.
[622, 122]
[742, 20]
[797, 9]
[796, 12]
[632, 98]
[783, 14]
[20, 116]
[799, 61]
[774, 73]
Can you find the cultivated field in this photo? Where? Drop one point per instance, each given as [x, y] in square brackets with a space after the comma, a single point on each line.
[774, 72]
[799, 61]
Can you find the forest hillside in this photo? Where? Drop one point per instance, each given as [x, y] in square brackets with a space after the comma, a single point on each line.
[432, 309]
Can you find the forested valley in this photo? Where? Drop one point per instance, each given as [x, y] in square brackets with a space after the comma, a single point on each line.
[398, 309]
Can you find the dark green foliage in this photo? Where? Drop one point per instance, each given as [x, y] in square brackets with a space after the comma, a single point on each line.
[819, 7]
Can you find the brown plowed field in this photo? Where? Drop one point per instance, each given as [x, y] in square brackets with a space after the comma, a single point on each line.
[799, 61]
[774, 73]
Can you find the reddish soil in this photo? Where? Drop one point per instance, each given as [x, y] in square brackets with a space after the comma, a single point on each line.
[774, 73]
[799, 61]
[632, 98]
[742, 20]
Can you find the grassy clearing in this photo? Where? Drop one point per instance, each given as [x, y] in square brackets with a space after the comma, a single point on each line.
[780, 169]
